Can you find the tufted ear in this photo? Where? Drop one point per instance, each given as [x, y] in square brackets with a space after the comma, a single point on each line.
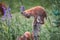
[22, 9]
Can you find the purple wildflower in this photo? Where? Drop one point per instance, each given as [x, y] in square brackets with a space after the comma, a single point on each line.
[22, 8]
[3, 18]
[7, 14]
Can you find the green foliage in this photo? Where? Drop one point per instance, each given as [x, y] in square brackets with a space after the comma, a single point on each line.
[17, 27]
[20, 24]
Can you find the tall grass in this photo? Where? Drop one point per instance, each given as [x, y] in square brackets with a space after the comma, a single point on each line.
[19, 24]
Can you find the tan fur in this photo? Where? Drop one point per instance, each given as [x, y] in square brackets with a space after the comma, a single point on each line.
[36, 12]
[26, 36]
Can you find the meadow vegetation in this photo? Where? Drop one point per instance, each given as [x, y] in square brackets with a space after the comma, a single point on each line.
[19, 24]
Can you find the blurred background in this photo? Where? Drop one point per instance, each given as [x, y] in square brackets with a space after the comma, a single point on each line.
[19, 24]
